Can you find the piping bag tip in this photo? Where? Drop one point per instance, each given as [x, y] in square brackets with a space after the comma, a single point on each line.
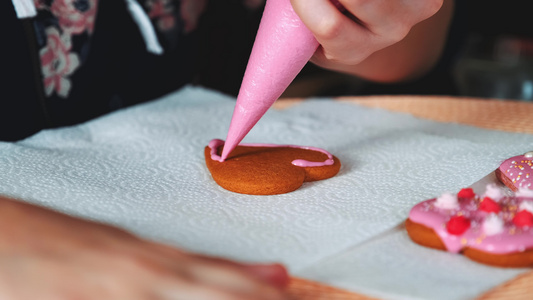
[282, 47]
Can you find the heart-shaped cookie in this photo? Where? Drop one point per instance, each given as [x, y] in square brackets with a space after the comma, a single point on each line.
[517, 172]
[265, 169]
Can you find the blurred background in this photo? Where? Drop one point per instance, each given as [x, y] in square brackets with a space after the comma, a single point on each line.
[489, 54]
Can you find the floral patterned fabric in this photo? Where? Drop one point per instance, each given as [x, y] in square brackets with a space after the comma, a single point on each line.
[162, 12]
[64, 29]
[76, 60]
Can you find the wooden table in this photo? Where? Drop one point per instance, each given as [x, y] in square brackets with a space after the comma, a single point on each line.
[511, 116]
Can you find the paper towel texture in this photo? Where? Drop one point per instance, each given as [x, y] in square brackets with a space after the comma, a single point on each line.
[393, 267]
[143, 169]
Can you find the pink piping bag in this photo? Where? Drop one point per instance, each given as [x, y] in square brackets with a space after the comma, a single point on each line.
[282, 47]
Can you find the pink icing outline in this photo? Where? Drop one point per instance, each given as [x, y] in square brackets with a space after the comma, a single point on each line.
[216, 143]
[512, 239]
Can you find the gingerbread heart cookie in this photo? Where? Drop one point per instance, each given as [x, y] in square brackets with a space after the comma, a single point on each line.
[266, 169]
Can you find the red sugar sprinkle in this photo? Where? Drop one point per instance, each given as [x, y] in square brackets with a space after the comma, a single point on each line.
[466, 193]
[523, 218]
[489, 205]
[458, 225]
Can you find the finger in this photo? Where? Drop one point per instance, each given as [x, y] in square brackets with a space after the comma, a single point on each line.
[391, 18]
[192, 290]
[274, 274]
[341, 38]
[232, 278]
[251, 279]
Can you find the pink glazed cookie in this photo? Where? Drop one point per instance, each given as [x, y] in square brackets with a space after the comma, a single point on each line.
[492, 228]
[517, 172]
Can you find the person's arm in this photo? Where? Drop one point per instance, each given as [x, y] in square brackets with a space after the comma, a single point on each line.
[49, 255]
[378, 40]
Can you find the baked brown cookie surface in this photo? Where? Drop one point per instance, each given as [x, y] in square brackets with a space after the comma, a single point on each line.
[263, 169]
[493, 228]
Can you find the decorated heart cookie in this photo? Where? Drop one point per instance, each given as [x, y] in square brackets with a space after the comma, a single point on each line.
[517, 172]
[266, 169]
[492, 228]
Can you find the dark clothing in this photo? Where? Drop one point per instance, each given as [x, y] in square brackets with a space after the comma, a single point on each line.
[63, 69]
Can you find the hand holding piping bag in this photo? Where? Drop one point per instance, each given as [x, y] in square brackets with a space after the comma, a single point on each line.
[379, 40]
[371, 39]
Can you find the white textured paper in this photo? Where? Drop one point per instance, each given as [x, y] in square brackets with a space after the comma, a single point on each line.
[143, 169]
[393, 267]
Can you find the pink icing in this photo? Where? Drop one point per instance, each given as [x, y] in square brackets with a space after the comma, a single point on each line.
[520, 170]
[481, 235]
[282, 47]
[216, 143]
